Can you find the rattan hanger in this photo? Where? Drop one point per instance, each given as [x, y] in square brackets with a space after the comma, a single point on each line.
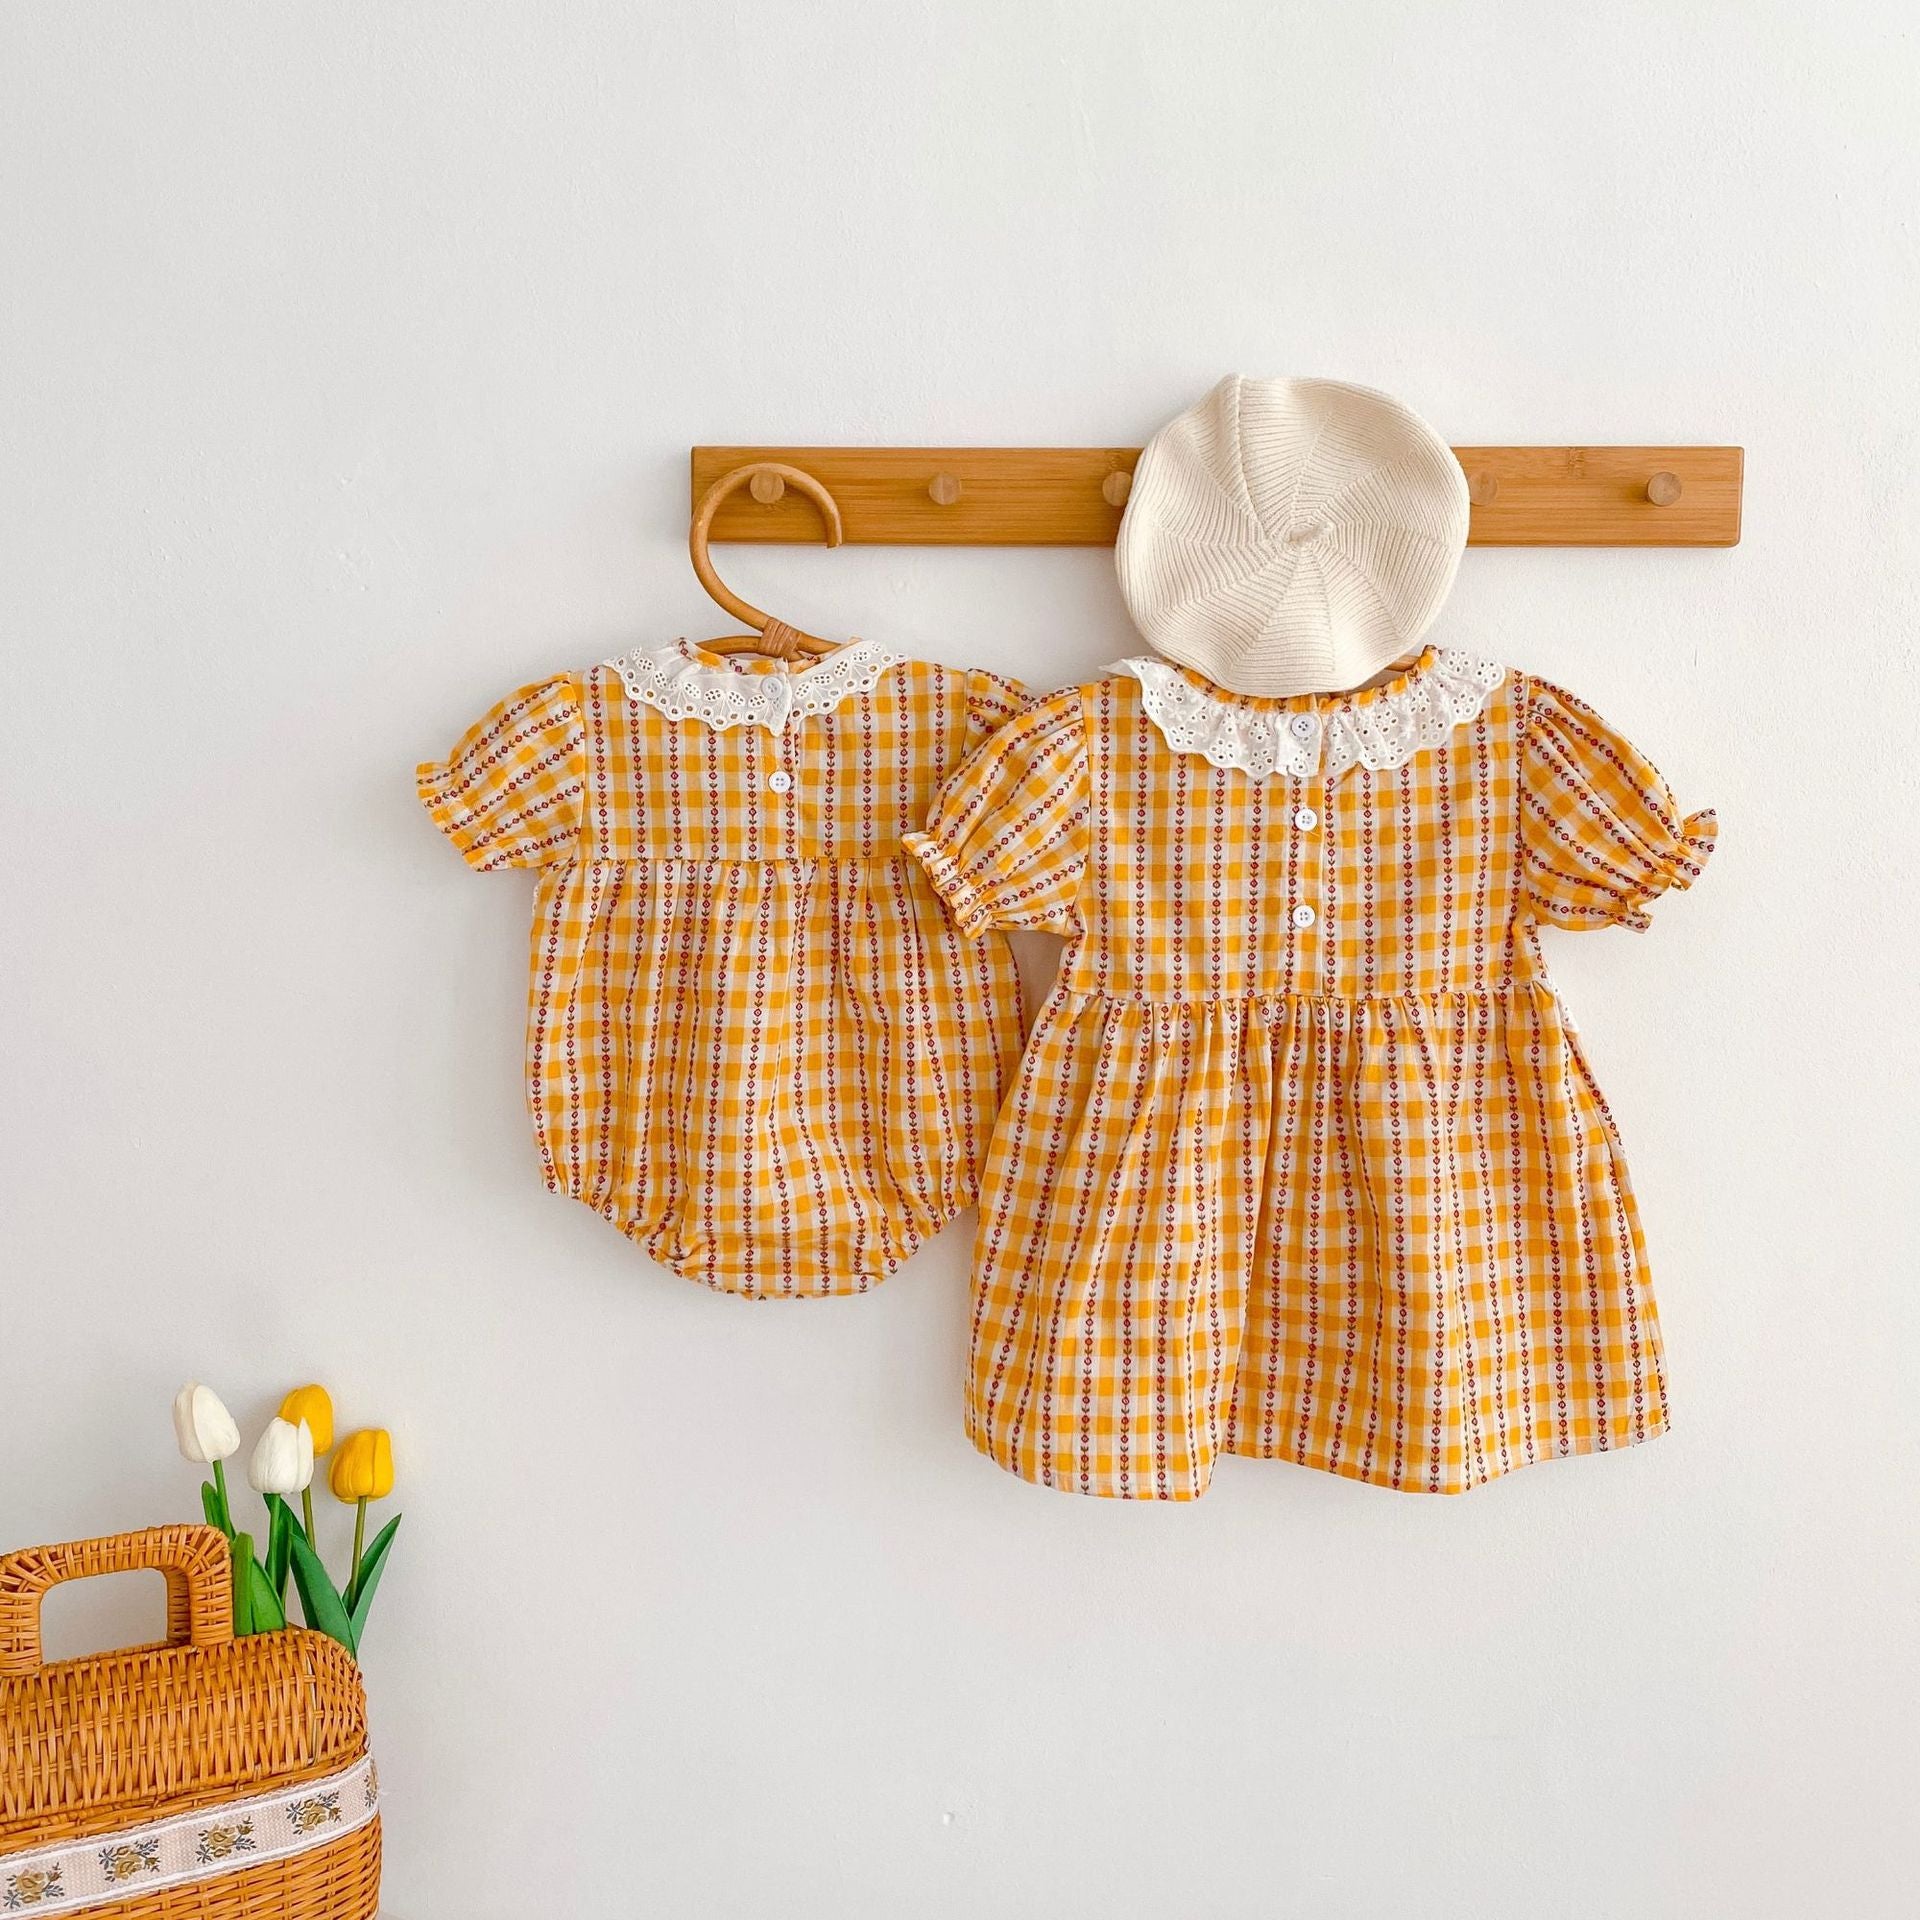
[770, 478]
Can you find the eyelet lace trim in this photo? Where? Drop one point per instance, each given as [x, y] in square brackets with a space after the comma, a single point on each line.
[1380, 732]
[671, 681]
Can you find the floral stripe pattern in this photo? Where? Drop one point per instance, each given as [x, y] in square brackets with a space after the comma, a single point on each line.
[187, 1847]
[756, 1043]
[1303, 1159]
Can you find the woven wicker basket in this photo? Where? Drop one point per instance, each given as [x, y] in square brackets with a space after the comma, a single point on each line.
[91, 1749]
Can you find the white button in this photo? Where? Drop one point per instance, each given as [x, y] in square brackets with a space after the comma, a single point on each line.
[780, 782]
[1305, 819]
[1304, 726]
[1304, 916]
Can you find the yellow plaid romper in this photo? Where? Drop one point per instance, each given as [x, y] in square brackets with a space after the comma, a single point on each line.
[755, 1041]
[1303, 1159]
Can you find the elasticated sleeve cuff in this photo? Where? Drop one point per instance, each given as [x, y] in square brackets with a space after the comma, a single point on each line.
[963, 900]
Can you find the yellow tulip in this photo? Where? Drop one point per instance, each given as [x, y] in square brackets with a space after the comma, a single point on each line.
[363, 1468]
[362, 1471]
[315, 1407]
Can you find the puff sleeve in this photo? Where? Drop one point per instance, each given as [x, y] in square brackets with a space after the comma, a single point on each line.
[992, 700]
[512, 791]
[1006, 843]
[1600, 833]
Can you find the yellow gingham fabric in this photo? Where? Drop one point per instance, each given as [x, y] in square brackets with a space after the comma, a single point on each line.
[755, 1043]
[1343, 1193]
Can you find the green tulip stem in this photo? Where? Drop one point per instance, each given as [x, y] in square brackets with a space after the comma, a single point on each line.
[359, 1540]
[306, 1508]
[220, 1486]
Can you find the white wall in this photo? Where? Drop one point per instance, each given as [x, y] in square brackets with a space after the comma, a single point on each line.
[350, 356]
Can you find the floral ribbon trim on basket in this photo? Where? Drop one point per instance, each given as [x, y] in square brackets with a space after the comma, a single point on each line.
[1378, 730]
[134, 1861]
[670, 680]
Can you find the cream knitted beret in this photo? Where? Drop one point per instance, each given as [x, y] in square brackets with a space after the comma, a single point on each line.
[1291, 536]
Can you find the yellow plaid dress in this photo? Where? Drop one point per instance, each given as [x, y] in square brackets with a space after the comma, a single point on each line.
[755, 1041]
[1303, 1159]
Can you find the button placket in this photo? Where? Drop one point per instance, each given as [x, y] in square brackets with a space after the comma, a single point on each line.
[1306, 912]
[780, 780]
[776, 777]
[782, 789]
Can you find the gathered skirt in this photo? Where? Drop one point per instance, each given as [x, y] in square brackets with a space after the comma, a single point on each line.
[1390, 1238]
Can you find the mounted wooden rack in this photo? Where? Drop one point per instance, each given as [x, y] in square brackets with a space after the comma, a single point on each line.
[1072, 496]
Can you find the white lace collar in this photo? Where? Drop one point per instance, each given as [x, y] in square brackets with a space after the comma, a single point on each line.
[675, 681]
[1381, 729]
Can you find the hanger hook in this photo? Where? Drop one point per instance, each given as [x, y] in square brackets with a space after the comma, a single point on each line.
[732, 482]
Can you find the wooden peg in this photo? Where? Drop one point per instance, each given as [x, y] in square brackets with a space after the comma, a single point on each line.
[1483, 488]
[766, 487]
[943, 489]
[1664, 489]
[1115, 488]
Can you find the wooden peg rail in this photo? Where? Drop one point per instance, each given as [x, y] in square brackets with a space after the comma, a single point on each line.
[1072, 496]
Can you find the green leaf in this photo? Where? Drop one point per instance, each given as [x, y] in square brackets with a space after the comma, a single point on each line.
[319, 1600]
[210, 1506]
[269, 1616]
[279, 1551]
[242, 1584]
[371, 1565]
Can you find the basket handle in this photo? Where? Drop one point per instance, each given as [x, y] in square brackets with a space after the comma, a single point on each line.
[195, 1560]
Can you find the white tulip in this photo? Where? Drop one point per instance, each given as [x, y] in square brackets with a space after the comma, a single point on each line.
[282, 1463]
[202, 1425]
